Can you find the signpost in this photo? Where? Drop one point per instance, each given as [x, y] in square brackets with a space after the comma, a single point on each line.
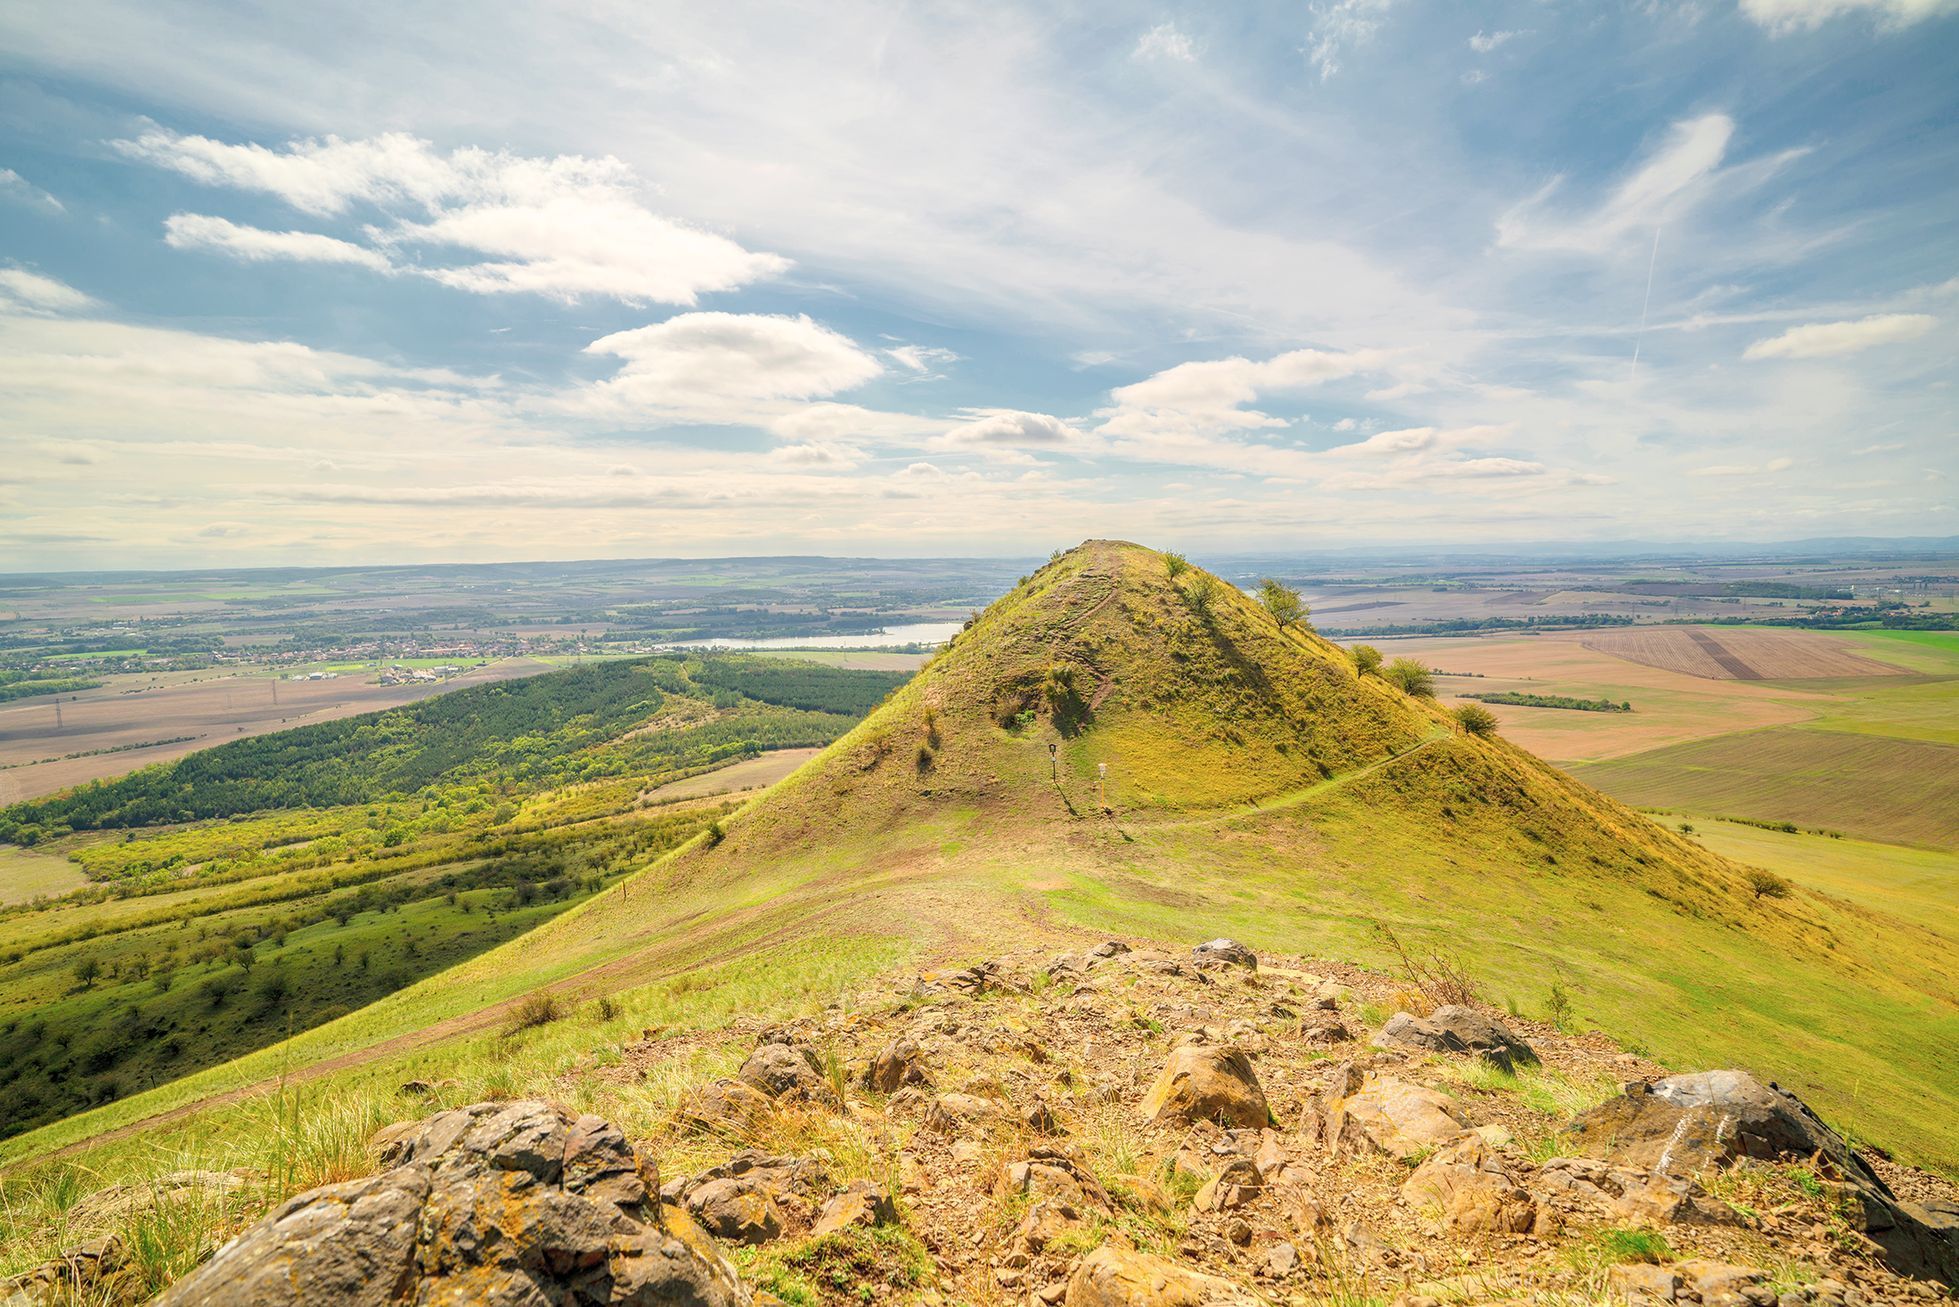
[1054, 767]
[1101, 786]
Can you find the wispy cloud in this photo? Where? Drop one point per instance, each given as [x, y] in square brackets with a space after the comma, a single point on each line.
[1668, 180]
[196, 231]
[16, 187]
[1338, 27]
[21, 289]
[1818, 340]
[1165, 41]
[566, 227]
[1785, 16]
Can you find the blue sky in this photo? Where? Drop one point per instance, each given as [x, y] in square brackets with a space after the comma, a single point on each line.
[501, 281]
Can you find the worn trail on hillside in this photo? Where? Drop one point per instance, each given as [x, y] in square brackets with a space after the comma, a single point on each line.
[1294, 798]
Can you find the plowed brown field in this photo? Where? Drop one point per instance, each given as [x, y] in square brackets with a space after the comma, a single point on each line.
[1739, 654]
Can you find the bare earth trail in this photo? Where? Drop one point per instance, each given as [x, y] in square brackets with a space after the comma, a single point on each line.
[1293, 798]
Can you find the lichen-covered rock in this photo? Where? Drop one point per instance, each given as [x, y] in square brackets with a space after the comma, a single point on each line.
[502, 1203]
[1203, 1082]
[1121, 1277]
[752, 1197]
[1626, 1192]
[725, 1107]
[77, 1275]
[1468, 1188]
[1236, 1185]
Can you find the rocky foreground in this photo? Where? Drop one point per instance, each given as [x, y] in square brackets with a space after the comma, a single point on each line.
[1124, 1127]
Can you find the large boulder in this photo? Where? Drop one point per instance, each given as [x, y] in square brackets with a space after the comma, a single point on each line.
[1467, 1188]
[1202, 1082]
[725, 1107]
[1457, 1029]
[1685, 1124]
[1391, 1116]
[1643, 1197]
[753, 1198]
[507, 1203]
[898, 1064]
[1121, 1277]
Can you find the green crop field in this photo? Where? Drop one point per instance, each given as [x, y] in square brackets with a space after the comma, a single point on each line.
[1894, 790]
[1920, 885]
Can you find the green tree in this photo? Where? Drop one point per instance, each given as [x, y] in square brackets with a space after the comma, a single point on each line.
[1411, 678]
[1476, 719]
[1283, 602]
[86, 970]
[1367, 659]
[1176, 563]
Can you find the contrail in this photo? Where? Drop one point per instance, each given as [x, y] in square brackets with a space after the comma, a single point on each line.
[1645, 304]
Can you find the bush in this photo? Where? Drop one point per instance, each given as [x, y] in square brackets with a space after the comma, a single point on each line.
[1367, 659]
[1176, 563]
[1283, 602]
[715, 834]
[534, 1010]
[86, 971]
[1411, 678]
[1767, 885]
[1476, 719]
[1062, 687]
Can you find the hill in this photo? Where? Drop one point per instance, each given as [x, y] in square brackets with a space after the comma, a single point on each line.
[1257, 785]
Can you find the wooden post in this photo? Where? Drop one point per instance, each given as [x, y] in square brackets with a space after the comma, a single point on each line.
[1054, 766]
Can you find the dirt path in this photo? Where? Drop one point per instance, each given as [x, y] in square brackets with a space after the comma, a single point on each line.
[1294, 798]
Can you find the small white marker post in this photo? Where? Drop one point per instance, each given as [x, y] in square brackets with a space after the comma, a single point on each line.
[1054, 767]
[1101, 779]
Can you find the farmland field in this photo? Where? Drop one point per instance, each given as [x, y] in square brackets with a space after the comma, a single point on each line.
[1894, 790]
[1740, 653]
[26, 875]
[136, 720]
[1920, 885]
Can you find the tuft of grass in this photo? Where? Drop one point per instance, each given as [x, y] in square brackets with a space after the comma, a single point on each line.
[534, 1011]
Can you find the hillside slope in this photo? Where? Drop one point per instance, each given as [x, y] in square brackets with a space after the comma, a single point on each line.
[1256, 786]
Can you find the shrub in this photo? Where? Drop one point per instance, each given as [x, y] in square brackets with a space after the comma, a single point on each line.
[1063, 690]
[925, 757]
[1282, 601]
[534, 1010]
[1411, 678]
[1367, 659]
[714, 832]
[86, 971]
[1476, 719]
[1176, 563]
[1766, 884]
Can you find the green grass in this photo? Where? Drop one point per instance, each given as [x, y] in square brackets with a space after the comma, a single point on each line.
[1914, 884]
[1891, 790]
[26, 875]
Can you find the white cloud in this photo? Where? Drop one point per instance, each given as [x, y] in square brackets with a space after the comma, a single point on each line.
[824, 422]
[565, 227]
[818, 454]
[18, 187]
[1164, 41]
[1785, 16]
[1013, 427]
[1211, 397]
[1744, 469]
[1890, 447]
[21, 290]
[920, 358]
[718, 366]
[1484, 42]
[1388, 444]
[1831, 339]
[1339, 26]
[1669, 180]
[196, 231]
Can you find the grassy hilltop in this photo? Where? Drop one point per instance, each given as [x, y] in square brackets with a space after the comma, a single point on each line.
[1257, 786]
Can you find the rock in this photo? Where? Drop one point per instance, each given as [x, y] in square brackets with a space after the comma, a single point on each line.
[1639, 1284]
[1201, 1082]
[1484, 1035]
[1468, 1188]
[752, 1197]
[1722, 1285]
[899, 1064]
[1044, 1223]
[1239, 1231]
[1281, 1259]
[76, 1275]
[1049, 1173]
[1639, 1196]
[1110, 949]
[861, 1203]
[1224, 953]
[725, 1107]
[979, 979]
[503, 1203]
[1456, 1029]
[1688, 1123]
[1038, 1117]
[1324, 1032]
[1238, 1184]
[788, 1071]
[1394, 1117]
[1121, 1277]
[951, 1113]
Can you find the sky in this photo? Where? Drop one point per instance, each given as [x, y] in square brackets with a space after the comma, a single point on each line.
[368, 283]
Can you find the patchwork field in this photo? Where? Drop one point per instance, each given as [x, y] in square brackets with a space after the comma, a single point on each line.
[134, 721]
[1898, 791]
[1739, 653]
[26, 875]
